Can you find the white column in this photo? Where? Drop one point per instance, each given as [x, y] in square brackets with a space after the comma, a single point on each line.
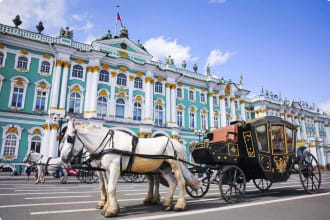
[148, 99]
[303, 125]
[89, 82]
[211, 112]
[327, 135]
[64, 85]
[223, 111]
[317, 129]
[173, 105]
[130, 97]
[312, 149]
[298, 128]
[44, 142]
[168, 103]
[322, 159]
[289, 118]
[232, 108]
[93, 93]
[56, 86]
[112, 105]
[243, 113]
[53, 143]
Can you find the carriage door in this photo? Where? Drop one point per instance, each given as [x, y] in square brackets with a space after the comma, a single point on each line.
[263, 147]
[279, 150]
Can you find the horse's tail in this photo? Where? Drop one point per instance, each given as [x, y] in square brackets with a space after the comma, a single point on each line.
[191, 180]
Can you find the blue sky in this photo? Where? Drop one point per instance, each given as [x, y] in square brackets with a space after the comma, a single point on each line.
[282, 45]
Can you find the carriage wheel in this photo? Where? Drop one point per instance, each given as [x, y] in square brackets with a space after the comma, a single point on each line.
[204, 177]
[262, 184]
[309, 173]
[232, 184]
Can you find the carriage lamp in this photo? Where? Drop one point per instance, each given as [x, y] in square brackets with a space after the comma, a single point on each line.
[200, 133]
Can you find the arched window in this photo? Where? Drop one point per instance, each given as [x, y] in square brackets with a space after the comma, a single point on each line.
[77, 71]
[45, 67]
[159, 115]
[179, 92]
[202, 97]
[36, 143]
[1, 58]
[41, 100]
[17, 97]
[22, 63]
[138, 83]
[120, 108]
[137, 111]
[192, 123]
[121, 79]
[191, 95]
[104, 76]
[74, 102]
[216, 121]
[203, 121]
[101, 107]
[10, 145]
[158, 87]
[179, 118]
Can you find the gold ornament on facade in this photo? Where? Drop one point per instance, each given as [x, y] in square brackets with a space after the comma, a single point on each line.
[160, 79]
[19, 82]
[8, 158]
[159, 102]
[228, 116]
[37, 131]
[173, 86]
[79, 61]
[12, 130]
[21, 70]
[131, 78]
[1, 46]
[232, 99]
[59, 62]
[113, 74]
[203, 89]
[175, 137]
[216, 113]
[54, 126]
[42, 86]
[180, 107]
[123, 54]
[123, 69]
[90, 69]
[296, 117]
[66, 64]
[204, 111]
[138, 99]
[76, 89]
[145, 134]
[179, 84]
[192, 87]
[222, 97]
[168, 85]
[242, 101]
[121, 95]
[289, 116]
[105, 66]
[192, 109]
[46, 127]
[103, 92]
[139, 74]
[96, 69]
[24, 52]
[211, 94]
[46, 56]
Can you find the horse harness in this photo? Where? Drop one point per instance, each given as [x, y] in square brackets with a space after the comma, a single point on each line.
[47, 163]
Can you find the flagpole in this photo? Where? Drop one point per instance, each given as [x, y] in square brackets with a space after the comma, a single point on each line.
[116, 20]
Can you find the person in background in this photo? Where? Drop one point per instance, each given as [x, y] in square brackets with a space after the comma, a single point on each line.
[20, 170]
[28, 171]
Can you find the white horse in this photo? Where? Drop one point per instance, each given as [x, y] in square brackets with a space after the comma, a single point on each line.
[46, 164]
[100, 139]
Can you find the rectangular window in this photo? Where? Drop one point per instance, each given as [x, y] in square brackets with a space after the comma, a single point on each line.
[191, 95]
[179, 116]
[203, 121]
[17, 97]
[179, 92]
[277, 139]
[215, 100]
[216, 121]
[236, 104]
[262, 138]
[203, 97]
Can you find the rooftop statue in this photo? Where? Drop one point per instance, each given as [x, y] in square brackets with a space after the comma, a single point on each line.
[66, 33]
[208, 70]
[106, 36]
[195, 67]
[184, 64]
[17, 21]
[169, 60]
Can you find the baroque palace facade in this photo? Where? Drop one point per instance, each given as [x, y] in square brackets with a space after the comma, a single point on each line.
[114, 82]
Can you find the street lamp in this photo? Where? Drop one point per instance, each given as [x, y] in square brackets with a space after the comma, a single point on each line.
[200, 133]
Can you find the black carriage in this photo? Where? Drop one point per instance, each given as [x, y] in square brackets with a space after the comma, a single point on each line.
[262, 150]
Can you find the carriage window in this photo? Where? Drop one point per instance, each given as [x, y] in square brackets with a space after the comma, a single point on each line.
[261, 133]
[289, 139]
[278, 144]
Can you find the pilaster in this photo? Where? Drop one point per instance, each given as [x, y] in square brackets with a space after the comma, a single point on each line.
[66, 65]
[223, 111]
[168, 103]
[232, 109]
[243, 113]
[53, 143]
[211, 111]
[45, 141]
[173, 105]
[55, 86]
[130, 97]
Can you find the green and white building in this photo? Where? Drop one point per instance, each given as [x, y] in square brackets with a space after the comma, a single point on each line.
[114, 82]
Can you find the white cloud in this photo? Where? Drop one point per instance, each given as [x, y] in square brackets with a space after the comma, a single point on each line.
[161, 48]
[79, 17]
[217, 57]
[217, 1]
[88, 25]
[325, 106]
[194, 59]
[50, 12]
[90, 39]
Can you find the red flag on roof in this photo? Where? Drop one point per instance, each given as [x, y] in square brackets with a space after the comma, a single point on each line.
[119, 19]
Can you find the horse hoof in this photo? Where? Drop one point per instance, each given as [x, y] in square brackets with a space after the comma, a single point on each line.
[167, 208]
[155, 202]
[99, 207]
[178, 209]
[110, 214]
[147, 202]
[103, 212]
